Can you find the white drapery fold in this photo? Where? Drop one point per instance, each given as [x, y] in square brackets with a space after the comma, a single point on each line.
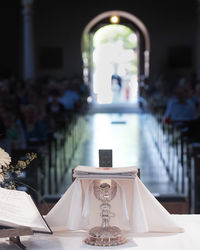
[135, 209]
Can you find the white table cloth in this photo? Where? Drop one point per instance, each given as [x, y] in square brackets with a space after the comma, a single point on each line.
[65, 240]
[136, 209]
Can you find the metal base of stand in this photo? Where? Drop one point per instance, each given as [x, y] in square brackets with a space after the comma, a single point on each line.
[110, 236]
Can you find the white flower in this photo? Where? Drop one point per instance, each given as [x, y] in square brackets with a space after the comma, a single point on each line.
[1, 178]
[4, 158]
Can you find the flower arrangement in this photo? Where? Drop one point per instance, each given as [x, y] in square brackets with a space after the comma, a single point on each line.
[7, 169]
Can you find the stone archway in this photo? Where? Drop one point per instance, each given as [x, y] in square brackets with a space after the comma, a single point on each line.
[87, 36]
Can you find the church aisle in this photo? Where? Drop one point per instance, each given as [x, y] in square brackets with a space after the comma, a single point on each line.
[128, 135]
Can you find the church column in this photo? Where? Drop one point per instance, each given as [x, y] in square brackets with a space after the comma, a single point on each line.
[28, 40]
[146, 63]
[198, 42]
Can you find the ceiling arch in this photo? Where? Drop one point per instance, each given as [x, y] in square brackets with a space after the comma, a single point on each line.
[126, 15]
[85, 43]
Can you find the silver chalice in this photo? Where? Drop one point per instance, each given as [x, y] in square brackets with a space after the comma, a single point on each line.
[105, 235]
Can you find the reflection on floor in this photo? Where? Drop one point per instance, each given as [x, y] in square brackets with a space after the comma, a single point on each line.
[129, 138]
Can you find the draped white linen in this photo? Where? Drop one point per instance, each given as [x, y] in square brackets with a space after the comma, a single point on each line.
[136, 209]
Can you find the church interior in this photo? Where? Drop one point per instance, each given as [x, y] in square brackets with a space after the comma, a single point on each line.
[121, 77]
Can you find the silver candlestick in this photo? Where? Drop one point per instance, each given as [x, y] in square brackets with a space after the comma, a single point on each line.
[105, 235]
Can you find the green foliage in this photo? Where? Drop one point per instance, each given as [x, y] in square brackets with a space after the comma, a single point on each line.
[114, 32]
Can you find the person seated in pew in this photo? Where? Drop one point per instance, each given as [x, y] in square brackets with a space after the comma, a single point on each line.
[55, 109]
[196, 96]
[38, 124]
[192, 131]
[14, 132]
[180, 109]
[69, 97]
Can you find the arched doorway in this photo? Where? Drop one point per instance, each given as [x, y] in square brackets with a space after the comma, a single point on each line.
[115, 64]
[89, 49]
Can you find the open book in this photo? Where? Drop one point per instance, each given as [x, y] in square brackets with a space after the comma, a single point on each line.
[105, 173]
[17, 209]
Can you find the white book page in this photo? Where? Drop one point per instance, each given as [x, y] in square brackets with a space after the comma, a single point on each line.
[17, 208]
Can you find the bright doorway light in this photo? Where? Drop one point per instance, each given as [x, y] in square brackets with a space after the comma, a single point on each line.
[115, 64]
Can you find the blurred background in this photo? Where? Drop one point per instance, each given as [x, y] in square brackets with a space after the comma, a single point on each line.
[78, 78]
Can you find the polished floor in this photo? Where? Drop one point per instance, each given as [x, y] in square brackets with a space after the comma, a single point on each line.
[129, 137]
